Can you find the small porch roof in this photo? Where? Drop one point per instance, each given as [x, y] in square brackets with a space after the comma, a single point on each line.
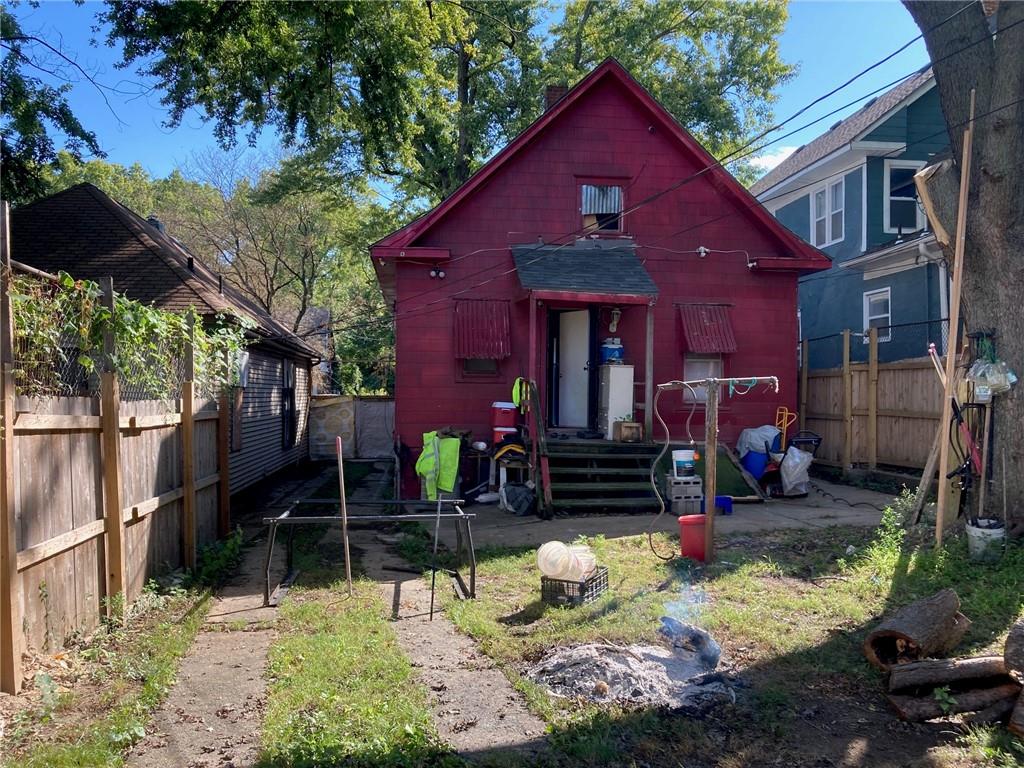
[594, 268]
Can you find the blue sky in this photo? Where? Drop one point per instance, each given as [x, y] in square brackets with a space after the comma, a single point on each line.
[830, 41]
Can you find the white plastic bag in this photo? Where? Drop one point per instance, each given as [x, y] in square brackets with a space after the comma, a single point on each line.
[794, 471]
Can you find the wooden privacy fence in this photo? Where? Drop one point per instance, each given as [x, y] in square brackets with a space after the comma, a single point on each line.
[98, 495]
[871, 413]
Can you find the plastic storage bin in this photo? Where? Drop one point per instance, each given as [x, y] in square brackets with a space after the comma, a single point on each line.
[503, 414]
[723, 505]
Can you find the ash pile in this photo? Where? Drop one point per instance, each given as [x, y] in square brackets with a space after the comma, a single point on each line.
[680, 676]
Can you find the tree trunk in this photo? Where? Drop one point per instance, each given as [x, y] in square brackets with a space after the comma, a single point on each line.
[937, 672]
[1013, 651]
[932, 626]
[1017, 718]
[917, 709]
[994, 713]
[967, 56]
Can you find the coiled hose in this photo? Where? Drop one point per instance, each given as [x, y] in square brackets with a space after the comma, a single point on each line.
[657, 461]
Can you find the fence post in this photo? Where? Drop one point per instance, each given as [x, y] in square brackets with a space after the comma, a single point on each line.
[10, 622]
[873, 398]
[223, 457]
[110, 440]
[805, 349]
[847, 458]
[188, 523]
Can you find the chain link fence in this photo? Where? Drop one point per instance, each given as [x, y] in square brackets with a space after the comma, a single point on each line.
[902, 341]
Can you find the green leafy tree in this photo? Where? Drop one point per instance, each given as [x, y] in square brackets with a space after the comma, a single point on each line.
[35, 117]
[714, 64]
[421, 94]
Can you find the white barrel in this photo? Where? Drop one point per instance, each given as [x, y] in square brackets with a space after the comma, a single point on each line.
[985, 541]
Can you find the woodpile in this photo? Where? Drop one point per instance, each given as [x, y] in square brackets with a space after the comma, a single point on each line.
[985, 689]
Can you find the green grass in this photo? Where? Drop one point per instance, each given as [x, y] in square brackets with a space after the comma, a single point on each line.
[341, 691]
[131, 671]
[355, 472]
[790, 608]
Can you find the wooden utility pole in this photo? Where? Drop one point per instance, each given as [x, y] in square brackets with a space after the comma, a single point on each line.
[873, 398]
[10, 582]
[110, 437]
[847, 457]
[954, 321]
[710, 467]
[188, 522]
[344, 515]
[805, 364]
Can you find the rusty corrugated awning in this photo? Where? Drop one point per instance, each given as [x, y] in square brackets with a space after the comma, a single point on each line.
[707, 329]
[482, 329]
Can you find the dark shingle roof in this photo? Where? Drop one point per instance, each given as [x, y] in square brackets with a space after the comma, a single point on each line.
[588, 266]
[87, 234]
[842, 133]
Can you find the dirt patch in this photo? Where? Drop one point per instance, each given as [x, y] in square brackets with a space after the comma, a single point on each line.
[212, 716]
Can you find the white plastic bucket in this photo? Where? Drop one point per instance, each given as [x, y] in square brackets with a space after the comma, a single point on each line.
[985, 540]
[683, 463]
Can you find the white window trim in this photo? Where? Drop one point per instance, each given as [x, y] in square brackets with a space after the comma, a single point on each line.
[701, 392]
[887, 165]
[830, 236]
[868, 295]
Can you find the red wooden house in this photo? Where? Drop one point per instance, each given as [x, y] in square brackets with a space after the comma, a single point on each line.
[605, 219]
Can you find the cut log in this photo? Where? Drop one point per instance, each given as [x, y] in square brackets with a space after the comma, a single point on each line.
[994, 713]
[917, 709]
[939, 672]
[929, 627]
[1013, 651]
[1017, 718]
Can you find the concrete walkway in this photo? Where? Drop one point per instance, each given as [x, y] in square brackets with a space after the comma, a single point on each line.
[492, 526]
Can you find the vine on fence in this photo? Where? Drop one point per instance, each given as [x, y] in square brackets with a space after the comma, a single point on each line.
[58, 324]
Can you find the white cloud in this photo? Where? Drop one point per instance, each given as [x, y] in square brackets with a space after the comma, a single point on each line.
[771, 159]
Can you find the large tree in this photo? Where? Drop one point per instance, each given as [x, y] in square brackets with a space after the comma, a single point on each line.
[422, 93]
[967, 55]
[36, 120]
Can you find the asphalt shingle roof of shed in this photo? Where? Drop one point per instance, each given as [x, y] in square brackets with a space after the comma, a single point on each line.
[843, 133]
[89, 235]
[585, 267]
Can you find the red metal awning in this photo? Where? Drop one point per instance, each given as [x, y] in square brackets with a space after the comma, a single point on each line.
[482, 330]
[707, 329]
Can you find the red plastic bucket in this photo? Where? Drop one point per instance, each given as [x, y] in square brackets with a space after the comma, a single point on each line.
[503, 414]
[691, 537]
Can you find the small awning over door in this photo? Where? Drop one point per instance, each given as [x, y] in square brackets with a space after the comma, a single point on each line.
[482, 329]
[706, 329]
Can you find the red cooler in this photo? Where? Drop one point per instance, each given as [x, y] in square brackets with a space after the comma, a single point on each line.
[503, 415]
[498, 433]
[691, 537]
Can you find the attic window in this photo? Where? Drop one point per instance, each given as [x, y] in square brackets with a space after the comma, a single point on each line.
[602, 208]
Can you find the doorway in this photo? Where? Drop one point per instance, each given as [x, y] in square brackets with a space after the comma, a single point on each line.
[570, 368]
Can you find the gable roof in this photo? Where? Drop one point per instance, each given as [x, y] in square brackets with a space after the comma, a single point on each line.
[89, 235]
[850, 129]
[805, 256]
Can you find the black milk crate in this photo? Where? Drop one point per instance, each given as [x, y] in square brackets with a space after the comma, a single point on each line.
[573, 593]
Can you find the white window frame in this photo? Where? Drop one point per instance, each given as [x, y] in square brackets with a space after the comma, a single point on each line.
[887, 198]
[868, 295]
[828, 189]
[701, 392]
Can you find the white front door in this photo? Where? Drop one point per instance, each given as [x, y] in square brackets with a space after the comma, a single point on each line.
[573, 368]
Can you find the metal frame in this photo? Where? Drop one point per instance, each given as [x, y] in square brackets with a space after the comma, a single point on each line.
[463, 532]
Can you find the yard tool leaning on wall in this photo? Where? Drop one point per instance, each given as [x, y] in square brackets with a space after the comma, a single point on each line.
[712, 386]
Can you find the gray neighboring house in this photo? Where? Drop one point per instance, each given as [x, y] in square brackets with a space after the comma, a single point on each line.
[851, 193]
[89, 235]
